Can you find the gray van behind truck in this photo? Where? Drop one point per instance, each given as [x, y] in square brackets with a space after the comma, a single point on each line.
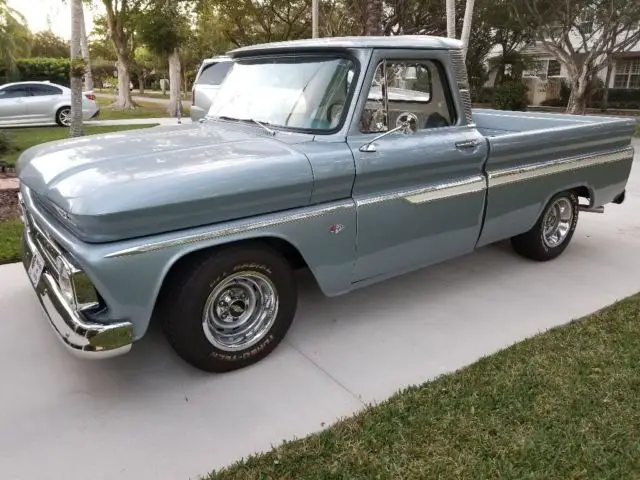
[205, 87]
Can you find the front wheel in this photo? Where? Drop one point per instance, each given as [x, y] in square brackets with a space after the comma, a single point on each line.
[553, 231]
[231, 309]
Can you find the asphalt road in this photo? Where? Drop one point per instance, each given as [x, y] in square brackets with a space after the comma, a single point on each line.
[149, 416]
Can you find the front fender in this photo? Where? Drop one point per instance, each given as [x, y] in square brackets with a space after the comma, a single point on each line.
[129, 275]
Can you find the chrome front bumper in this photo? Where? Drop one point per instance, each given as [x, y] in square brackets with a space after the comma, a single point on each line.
[82, 338]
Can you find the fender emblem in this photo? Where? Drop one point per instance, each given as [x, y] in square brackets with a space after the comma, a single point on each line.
[335, 229]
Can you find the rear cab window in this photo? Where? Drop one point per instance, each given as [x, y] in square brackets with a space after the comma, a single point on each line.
[214, 73]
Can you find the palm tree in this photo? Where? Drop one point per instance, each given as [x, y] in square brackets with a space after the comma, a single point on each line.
[14, 37]
[77, 68]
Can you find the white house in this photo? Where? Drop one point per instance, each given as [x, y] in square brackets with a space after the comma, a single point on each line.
[625, 71]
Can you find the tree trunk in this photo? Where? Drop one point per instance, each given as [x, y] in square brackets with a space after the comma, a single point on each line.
[373, 25]
[84, 48]
[141, 79]
[174, 108]
[124, 100]
[577, 104]
[76, 72]
[451, 18]
[605, 92]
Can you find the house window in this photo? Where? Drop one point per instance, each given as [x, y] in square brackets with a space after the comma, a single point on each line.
[627, 73]
[553, 69]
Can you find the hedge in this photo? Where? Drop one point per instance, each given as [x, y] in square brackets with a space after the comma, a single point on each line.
[55, 70]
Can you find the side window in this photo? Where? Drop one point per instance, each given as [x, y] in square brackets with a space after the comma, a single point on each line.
[400, 87]
[214, 73]
[14, 92]
[42, 90]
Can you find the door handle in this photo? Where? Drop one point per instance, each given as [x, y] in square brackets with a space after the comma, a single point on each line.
[467, 145]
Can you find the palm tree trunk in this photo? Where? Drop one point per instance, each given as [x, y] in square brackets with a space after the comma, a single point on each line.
[174, 84]
[76, 72]
[84, 47]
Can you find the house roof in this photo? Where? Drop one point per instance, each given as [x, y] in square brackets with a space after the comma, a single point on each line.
[400, 41]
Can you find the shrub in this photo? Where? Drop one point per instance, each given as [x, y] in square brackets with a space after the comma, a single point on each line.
[482, 95]
[56, 70]
[554, 102]
[511, 95]
[7, 145]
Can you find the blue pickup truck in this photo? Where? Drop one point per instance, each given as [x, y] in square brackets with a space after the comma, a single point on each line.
[358, 159]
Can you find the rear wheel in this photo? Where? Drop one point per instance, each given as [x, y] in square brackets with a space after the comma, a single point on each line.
[231, 309]
[553, 231]
[63, 116]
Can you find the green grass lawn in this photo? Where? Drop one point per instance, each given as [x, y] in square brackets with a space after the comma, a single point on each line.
[28, 137]
[562, 405]
[10, 232]
[144, 110]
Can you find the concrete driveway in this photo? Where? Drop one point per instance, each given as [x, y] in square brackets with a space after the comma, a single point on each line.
[150, 416]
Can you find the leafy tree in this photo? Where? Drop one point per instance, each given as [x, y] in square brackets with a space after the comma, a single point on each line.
[121, 20]
[582, 35]
[48, 44]
[163, 29]
[15, 37]
[247, 22]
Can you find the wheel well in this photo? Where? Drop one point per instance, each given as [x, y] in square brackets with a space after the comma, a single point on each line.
[583, 192]
[288, 251]
[61, 108]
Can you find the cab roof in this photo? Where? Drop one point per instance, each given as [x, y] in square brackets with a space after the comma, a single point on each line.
[423, 42]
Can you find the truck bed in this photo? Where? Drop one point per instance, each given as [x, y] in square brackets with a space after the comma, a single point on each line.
[539, 136]
[533, 155]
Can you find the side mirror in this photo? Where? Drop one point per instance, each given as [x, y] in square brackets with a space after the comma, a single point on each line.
[406, 123]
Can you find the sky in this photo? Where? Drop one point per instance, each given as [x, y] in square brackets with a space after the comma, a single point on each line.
[42, 13]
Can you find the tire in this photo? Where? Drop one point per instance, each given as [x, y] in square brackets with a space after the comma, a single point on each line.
[537, 244]
[202, 307]
[63, 116]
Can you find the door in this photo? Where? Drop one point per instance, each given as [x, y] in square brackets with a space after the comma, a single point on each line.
[42, 102]
[420, 196]
[13, 108]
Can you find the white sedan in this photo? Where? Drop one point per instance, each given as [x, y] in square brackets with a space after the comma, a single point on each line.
[41, 102]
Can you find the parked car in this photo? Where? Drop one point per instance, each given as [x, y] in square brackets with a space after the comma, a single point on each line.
[206, 84]
[41, 102]
[298, 165]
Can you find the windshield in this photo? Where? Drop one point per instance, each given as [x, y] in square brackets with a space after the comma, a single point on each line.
[299, 93]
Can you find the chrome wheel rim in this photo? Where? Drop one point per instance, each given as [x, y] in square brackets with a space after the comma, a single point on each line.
[65, 117]
[557, 222]
[240, 311]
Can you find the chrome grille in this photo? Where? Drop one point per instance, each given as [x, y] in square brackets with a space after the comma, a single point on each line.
[462, 81]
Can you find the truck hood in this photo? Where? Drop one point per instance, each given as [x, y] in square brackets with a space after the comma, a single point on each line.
[140, 182]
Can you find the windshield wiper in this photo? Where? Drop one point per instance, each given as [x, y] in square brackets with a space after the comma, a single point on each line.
[271, 131]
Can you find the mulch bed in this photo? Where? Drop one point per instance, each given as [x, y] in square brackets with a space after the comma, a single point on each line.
[9, 208]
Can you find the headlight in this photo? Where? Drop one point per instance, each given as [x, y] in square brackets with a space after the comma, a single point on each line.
[75, 285]
[65, 283]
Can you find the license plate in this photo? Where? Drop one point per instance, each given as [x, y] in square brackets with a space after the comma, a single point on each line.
[36, 267]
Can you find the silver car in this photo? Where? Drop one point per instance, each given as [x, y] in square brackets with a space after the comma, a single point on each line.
[41, 102]
[205, 87]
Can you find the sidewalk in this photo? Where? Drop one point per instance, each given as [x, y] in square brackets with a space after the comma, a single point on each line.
[137, 98]
[141, 121]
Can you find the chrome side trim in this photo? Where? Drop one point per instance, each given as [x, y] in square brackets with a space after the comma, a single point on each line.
[518, 174]
[246, 226]
[431, 193]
